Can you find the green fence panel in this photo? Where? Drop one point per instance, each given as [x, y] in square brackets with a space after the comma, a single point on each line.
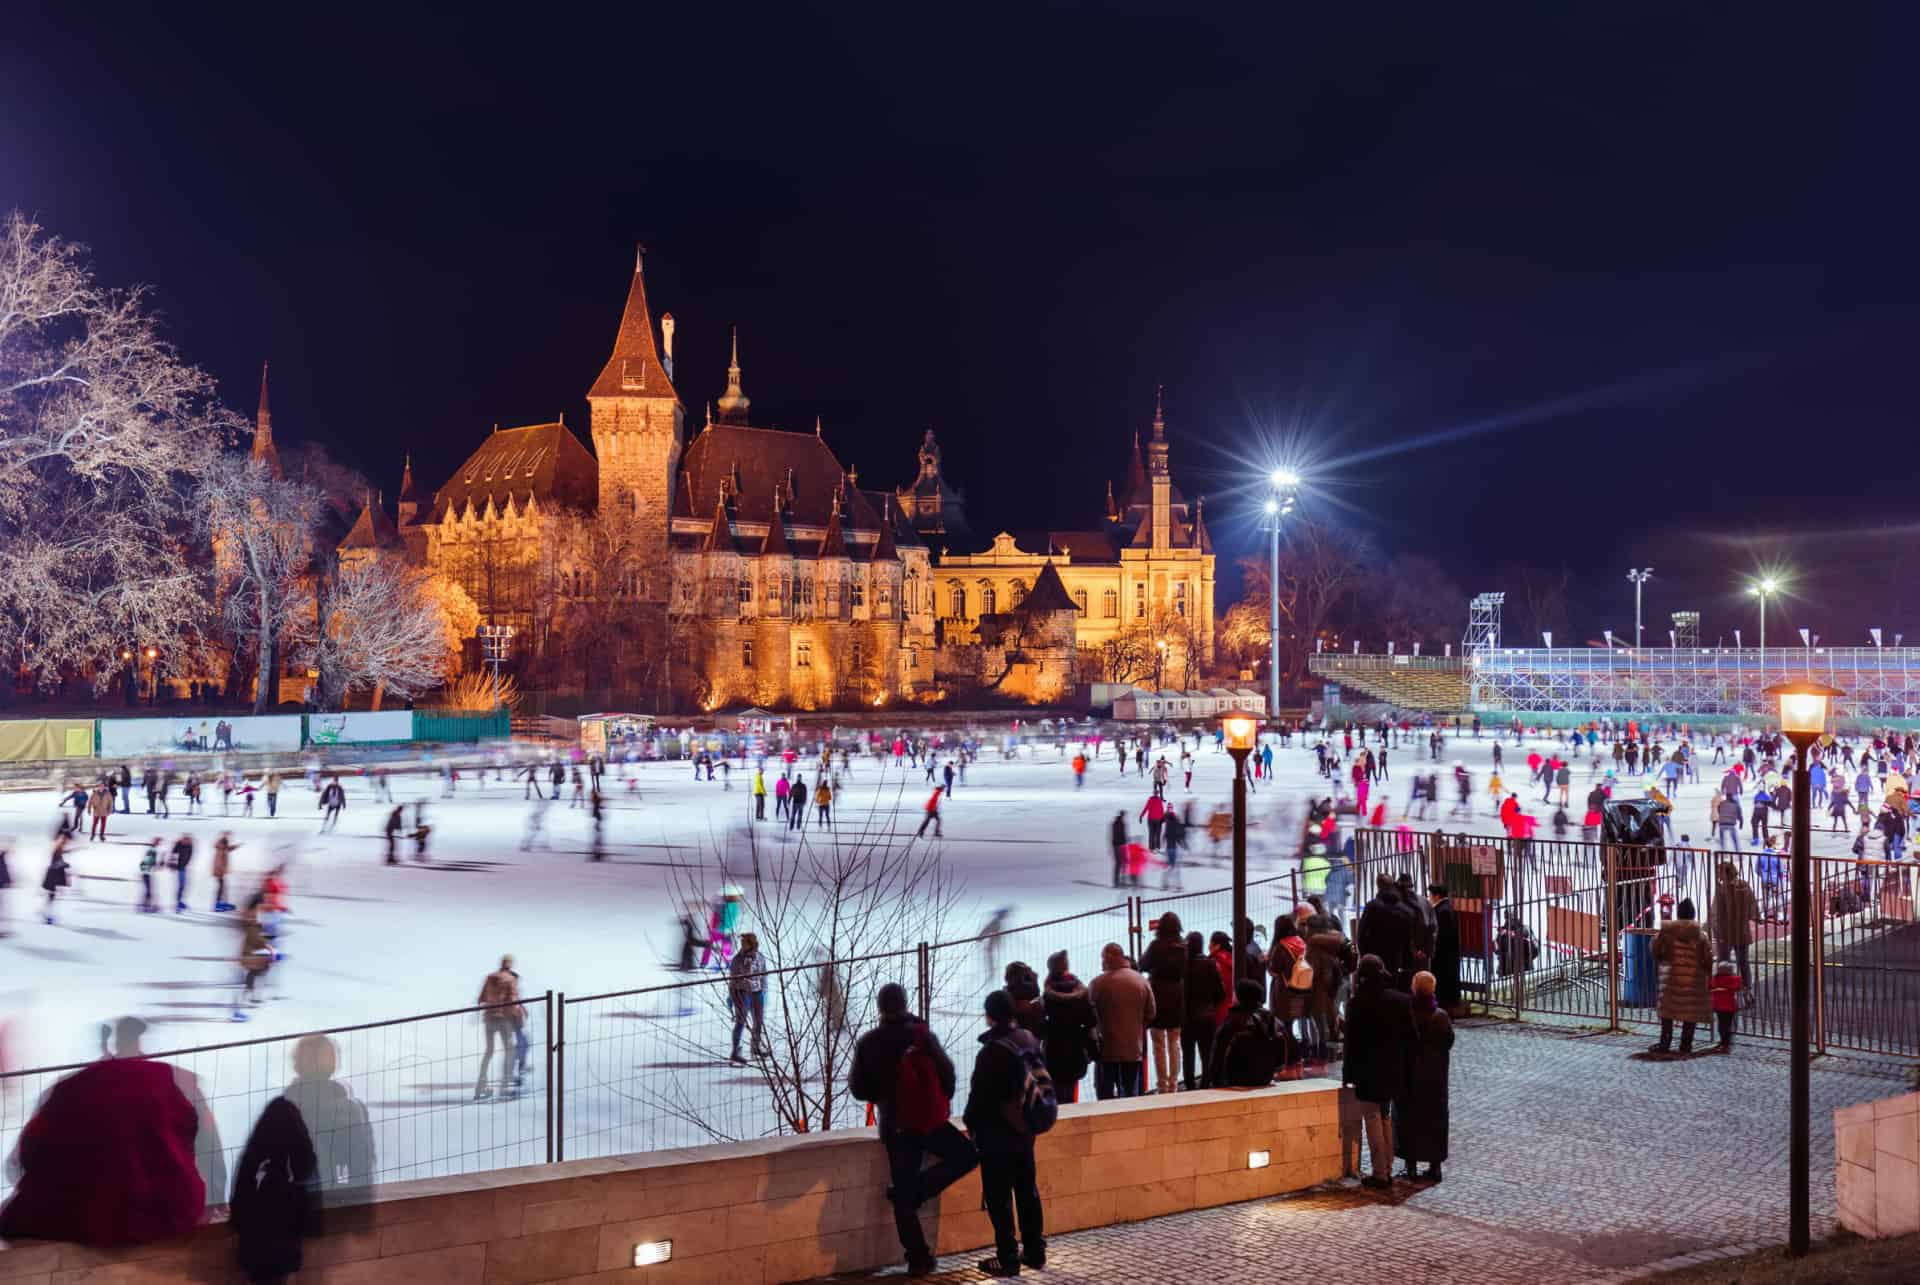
[463, 726]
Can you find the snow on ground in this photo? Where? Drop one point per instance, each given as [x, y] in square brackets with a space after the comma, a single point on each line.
[367, 942]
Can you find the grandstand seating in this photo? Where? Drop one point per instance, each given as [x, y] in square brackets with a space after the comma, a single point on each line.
[1409, 683]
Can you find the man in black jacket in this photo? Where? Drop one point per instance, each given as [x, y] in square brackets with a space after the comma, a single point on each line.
[1386, 929]
[876, 1069]
[1007, 1180]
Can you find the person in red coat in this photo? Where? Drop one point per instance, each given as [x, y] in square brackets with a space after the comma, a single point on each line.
[108, 1160]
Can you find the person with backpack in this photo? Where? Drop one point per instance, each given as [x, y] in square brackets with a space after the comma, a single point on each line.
[1249, 1047]
[900, 1067]
[1010, 1101]
[1292, 974]
[275, 1195]
[1068, 1033]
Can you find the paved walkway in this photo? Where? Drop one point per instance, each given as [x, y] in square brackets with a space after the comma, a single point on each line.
[1573, 1160]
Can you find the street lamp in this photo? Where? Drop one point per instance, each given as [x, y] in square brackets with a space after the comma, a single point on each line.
[1639, 576]
[1284, 483]
[1240, 730]
[1803, 719]
[1160, 666]
[1763, 588]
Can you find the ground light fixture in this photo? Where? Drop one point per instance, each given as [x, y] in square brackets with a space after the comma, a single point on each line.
[1259, 1159]
[649, 1253]
[1803, 719]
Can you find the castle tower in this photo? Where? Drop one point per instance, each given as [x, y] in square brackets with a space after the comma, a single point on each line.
[638, 424]
[1160, 481]
[733, 403]
[263, 448]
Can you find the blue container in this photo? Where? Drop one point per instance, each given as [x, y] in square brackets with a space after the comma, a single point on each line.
[1640, 978]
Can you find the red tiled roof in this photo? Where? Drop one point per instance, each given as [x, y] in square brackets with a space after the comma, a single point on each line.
[764, 459]
[544, 461]
[634, 369]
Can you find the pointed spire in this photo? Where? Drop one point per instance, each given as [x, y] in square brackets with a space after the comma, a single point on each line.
[1136, 492]
[263, 448]
[734, 403]
[1157, 447]
[634, 369]
[720, 534]
[884, 549]
[776, 542]
[816, 426]
[1201, 541]
[1159, 413]
[833, 544]
[1047, 594]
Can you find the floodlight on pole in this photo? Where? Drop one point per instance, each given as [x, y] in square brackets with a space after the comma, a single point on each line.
[1284, 483]
[1639, 576]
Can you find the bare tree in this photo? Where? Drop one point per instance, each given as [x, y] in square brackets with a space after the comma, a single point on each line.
[837, 916]
[101, 428]
[262, 532]
[377, 626]
[1320, 567]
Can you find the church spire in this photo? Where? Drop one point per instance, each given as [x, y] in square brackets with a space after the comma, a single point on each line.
[733, 403]
[1157, 445]
[634, 369]
[263, 448]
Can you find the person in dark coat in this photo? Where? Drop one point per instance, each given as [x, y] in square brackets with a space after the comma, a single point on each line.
[1068, 1041]
[1424, 926]
[1250, 1045]
[1386, 930]
[1024, 989]
[1205, 991]
[1165, 963]
[1445, 963]
[1008, 1184]
[875, 1072]
[273, 1195]
[1420, 1114]
[1380, 1041]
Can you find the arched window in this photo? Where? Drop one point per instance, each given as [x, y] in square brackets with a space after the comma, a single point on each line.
[959, 611]
[1080, 600]
[1110, 604]
[989, 601]
[1019, 592]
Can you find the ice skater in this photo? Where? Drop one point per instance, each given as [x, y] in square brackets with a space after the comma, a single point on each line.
[182, 858]
[396, 822]
[58, 875]
[332, 799]
[223, 849]
[149, 862]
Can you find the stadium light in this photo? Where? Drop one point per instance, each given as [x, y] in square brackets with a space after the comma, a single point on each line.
[1284, 482]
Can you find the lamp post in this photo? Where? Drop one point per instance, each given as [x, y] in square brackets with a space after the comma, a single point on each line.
[1639, 576]
[1284, 482]
[1160, 666]
[1803, 718]
[1240, 731]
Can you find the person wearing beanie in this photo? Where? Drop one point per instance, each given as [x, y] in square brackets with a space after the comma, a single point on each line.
[1008, 1183]
[1686, 966]
[874, 1078]
[1203, 993]
[1444, 962]
[1068, 1041]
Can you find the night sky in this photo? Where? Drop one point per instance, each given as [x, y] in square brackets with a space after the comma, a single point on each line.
[1628, 286]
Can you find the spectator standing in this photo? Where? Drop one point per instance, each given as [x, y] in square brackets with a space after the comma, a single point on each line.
[1420, 1115]
[900, 1067]
[1205, 993]
[1735, 911]
[995, 1115]
[1069, 1039]
[1444, 963]
[1686, 964]
[1165, 964]
[1123, 1004]
[1380, 1042]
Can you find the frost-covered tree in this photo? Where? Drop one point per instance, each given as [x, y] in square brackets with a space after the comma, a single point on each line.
[102, 428]
[378, 626]
[261, 528]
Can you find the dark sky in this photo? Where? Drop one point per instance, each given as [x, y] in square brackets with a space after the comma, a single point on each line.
[1651, 266]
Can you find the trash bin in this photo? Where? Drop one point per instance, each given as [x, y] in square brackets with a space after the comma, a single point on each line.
[1640, 978]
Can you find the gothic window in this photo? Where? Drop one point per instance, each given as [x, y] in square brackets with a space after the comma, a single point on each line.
[1139, 602]
[989, 601]
[1110, 604]
[803, 655]
[744, 593]
[629, 503]
[856, 657]
[1019, 592]
[806, 592]
[746, 654]
[1180, 599]
[1080, 600]
[885, 595]
[859, 591]
[773, 594]
[686, 592]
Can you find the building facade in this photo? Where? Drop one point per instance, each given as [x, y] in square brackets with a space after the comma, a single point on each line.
[774, 575]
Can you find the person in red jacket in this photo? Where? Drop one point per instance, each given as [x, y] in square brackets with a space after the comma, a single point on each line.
[108, 1159]
[933, 814]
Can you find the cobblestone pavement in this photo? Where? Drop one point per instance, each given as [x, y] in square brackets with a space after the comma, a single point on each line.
[1573, 1159]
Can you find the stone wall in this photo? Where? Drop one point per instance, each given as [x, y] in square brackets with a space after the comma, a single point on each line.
[1877, 1159]
[780, 1209]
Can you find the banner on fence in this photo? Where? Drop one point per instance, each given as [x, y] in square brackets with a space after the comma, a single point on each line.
[369, 728]
[29, 740]
[123, 737]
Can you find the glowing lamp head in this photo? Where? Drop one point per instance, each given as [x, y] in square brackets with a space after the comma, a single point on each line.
[1803, 706]
[151, 653]
[1283, 478]
[1239, 729]
[1273, 507]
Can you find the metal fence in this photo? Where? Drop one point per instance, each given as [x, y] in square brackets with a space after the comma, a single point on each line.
[1566, 929]
[652, 1068]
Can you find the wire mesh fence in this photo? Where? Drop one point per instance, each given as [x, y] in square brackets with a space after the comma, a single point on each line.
[1567, 928]
[421, 1097]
